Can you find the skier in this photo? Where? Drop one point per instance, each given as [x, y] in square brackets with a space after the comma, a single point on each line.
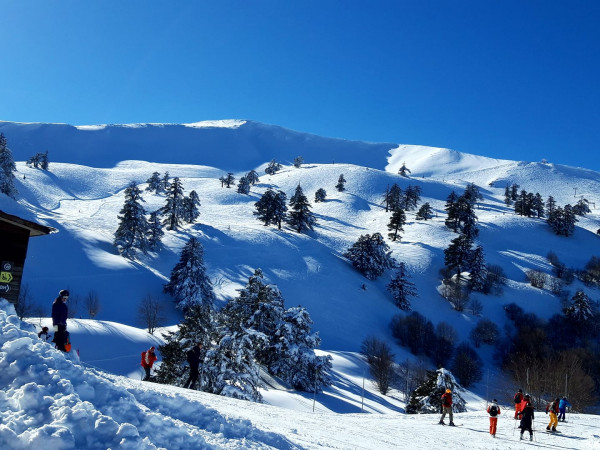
[493, 410]
[447, 407]
[552, 408]
[562, 408]
[518, 400]
[193, 358]
[60, 312]
[148, 358]
[527, 418]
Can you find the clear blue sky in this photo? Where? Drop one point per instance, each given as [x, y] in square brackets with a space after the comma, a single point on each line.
[507, 79]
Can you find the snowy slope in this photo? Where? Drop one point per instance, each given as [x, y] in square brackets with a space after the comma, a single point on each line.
[52, 401]
[83, 200]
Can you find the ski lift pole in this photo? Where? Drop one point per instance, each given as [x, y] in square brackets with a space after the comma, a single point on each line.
[362, 394]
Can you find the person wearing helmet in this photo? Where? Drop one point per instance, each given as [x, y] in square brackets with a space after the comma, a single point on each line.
[60, 312]
[447, 407]
[519, 404]
[527, 416]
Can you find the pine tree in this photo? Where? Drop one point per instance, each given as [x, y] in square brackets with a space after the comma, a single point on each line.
[582, 207]
[341, 184]
[425, 212]
[155, 184]
[550, 205]
[131, 234]
[458, 255]
[507, 196]
[252, 177]
[190, 206]
[243, 186]
[273, 167]
[404, 171]
[320, 195]
[402, 288]
[393, 198]
[7, 169]
[452, 221]
[298, 160]
[370, 255]
[44, 163]
[199, 325]
[300, 216]
[514, 191]
[189, 285]
[166, 182]
[155, 231]
[271, 208]
[411, 198]
[472, 194]
[581, 308]
[173, 209]
[538, 205]
[395, 226]
[478, 270]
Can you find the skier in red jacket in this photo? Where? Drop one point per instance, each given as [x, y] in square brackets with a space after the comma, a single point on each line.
[148, 358]
[447, 407]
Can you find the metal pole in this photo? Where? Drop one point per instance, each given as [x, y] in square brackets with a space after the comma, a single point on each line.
[566, 391]
[315, 393]
[362, 395]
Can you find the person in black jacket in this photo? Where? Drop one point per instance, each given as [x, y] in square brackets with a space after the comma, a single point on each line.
[527, 418]
[60, 312]
[193, 358]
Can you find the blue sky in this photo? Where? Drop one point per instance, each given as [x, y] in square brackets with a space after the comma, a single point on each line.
[506, 79]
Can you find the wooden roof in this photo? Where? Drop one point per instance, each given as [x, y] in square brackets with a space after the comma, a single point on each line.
[35, 229]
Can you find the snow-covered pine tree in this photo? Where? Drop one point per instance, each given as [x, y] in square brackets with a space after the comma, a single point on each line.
[155, 232]
[44, 163]
[173, 209]
[320, 195]
[189, 212]
[198, 325]
[411, 198]
[230, 368]
[273, 167]
[370, 255]
[189, 285]
[295, 345]
[402, 288]
[550, 205]
[7, 169]
[341, 184]
[404, 171]
[396, 224]
[154, 183]
[132, 232]
[581, 308]
[298, 160]
[582, 207]
[538, 205]
[427, 398]
[166, 182]
[300, 217]
[243, 186]
[392, 198]
[425, 212]
[252, 177]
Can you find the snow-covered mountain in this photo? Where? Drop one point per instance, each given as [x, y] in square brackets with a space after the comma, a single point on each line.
[90, 166]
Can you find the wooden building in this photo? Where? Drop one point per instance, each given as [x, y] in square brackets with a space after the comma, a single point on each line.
[14, 240]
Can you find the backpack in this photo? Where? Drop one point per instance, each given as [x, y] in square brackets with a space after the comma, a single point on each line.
[494, 411]
[517, 398]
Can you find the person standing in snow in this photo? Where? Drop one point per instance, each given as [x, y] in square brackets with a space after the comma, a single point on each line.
[148, 358]
[193, 358]
[562, 408]
[552, 409]
[60, 313]
[493, 410]
[527, 417]
[519, 405]
[447, 407]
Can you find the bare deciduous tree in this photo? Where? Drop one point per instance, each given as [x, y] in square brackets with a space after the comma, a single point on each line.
[151, 313]
[92, 304]
[25, 305]
[381, 360]
[536, 278]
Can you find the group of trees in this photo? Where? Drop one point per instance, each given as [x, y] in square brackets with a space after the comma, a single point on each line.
[271, 209]
[253, 330]
[136, 232]
[39, 160]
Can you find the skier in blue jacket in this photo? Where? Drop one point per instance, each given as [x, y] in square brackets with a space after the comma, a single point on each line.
[562, 408]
